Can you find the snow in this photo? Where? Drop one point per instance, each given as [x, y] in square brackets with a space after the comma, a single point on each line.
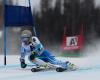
[90, 66]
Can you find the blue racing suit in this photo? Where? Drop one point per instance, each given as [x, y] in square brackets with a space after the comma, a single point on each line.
[40, 53]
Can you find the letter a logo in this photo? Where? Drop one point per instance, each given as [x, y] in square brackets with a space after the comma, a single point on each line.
[72, 41]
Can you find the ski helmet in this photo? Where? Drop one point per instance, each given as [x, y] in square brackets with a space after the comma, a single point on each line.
[26, 35]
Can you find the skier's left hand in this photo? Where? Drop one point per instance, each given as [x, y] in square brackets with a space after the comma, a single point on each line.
[23, 64]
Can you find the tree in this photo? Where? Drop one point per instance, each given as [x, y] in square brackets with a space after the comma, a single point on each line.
[87, 13]
[72, 16]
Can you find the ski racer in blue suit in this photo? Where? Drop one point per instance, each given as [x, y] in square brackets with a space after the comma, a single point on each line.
[32, 47]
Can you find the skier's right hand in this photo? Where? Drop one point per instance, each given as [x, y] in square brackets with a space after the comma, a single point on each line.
[23, 64]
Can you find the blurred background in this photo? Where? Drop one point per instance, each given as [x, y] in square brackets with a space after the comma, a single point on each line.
[50, 17]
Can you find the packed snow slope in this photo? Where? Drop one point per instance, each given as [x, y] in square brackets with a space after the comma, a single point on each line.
[89, 70]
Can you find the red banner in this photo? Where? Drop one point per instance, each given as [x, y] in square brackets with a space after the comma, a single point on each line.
[72, 42]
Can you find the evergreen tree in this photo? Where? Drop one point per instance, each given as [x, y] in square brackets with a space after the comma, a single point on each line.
[87, 10]
[72, 16]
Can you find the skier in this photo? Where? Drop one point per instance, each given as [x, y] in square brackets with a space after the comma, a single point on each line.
[32, 47]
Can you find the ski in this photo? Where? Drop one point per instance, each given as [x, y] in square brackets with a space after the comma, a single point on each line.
[56, 68]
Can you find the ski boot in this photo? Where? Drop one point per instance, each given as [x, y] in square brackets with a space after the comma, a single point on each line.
[71, 66]
[66, 66]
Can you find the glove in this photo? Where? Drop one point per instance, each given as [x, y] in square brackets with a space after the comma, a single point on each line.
[32, 57]
[23, 65]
